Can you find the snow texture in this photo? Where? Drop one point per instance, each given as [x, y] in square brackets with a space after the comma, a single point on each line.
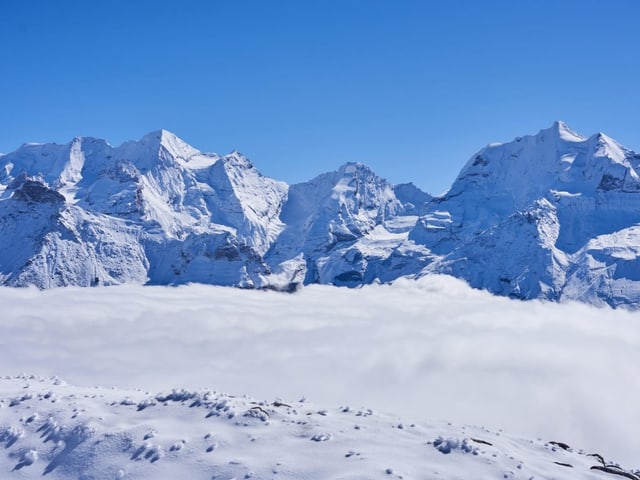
[105, 433]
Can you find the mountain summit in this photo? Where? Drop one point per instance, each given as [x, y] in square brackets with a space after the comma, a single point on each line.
[553, 215]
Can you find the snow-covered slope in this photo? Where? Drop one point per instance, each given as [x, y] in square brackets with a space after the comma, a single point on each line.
[552, 215]
[339, 225]
[59, 431]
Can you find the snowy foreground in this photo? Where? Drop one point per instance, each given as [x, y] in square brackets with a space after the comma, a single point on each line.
[63, 432]
[420, 353]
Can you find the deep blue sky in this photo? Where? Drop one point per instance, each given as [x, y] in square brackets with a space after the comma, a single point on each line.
[411, 88]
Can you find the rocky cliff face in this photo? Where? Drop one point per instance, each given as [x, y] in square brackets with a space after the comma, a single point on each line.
[552, 215]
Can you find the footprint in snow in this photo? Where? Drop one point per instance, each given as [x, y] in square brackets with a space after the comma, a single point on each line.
[10, 436]
[28, 458]
[177, 446]
[321, 437]
[148, 451]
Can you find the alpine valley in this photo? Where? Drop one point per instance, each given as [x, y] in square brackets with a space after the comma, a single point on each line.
[554, 216]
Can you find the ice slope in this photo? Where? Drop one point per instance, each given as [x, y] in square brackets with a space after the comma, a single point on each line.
[502, 179]
[59, 431]
[538, 217]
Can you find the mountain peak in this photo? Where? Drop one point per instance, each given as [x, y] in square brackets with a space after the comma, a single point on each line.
[605, 146]
[161, 136]
[170, 141]
[560, 125]
[351, 168]
[562, 131]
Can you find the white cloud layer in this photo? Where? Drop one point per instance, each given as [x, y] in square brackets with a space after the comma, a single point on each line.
[429, 350]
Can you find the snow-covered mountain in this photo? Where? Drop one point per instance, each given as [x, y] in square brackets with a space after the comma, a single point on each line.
[553, 215]
[155, 211]
[341, 225]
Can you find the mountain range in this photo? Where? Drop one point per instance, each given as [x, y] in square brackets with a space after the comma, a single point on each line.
[553, 216]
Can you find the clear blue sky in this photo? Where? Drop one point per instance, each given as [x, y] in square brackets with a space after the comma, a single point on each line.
[411, 88]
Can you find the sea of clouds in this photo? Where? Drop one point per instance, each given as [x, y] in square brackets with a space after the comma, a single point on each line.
[432, 349]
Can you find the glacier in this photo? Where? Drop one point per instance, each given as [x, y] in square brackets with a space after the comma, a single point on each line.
[554, 216]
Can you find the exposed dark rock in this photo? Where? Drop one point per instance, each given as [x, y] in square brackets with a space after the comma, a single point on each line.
[610, 182]
[35, 192]
[615, 471]
[484, 442]
[562, 445]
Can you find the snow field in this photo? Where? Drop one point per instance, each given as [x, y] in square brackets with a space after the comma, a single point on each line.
[116, 434]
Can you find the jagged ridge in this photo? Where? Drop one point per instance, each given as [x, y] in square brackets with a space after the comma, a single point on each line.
[551, 215]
